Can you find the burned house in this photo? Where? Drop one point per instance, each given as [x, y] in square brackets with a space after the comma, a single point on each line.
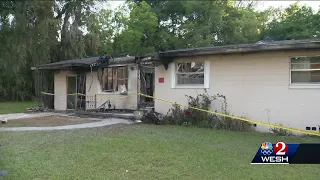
[272, 82]
[97, 82]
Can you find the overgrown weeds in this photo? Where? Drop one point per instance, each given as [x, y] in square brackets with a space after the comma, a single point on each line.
[310, 136]
[192, 116]
[280, 131]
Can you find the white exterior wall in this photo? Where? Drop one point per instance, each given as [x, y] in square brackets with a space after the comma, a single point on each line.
[123, 103]
[253, 85]
[60, 89]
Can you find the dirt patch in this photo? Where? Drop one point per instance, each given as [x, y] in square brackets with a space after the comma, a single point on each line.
[47, 121]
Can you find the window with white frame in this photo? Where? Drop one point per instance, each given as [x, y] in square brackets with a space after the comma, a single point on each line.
[190, 74]
[305, 70]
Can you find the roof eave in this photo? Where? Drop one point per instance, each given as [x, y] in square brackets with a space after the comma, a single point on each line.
[60, 66]
[235, 50]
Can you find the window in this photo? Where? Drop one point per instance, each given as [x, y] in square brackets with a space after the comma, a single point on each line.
[190, 74]
[113, 77]
[305, 70]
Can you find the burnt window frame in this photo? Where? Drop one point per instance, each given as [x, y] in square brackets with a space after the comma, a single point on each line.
[184, 65]
[105, 78]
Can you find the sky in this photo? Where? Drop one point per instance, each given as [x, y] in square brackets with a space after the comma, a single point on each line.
[264, 5]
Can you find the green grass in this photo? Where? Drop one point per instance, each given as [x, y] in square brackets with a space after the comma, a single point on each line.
[16, 107]
[146, 152]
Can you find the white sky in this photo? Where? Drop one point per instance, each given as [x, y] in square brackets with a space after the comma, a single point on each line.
[264, 5]
[115, 4]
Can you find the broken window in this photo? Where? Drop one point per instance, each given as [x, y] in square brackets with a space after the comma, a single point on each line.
[190, 73]
[305, 70]
[115, 79]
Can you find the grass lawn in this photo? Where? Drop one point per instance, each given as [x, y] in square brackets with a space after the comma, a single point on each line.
[143, 152]
[16, 107]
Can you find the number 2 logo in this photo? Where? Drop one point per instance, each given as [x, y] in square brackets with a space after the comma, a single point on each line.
[281, 148]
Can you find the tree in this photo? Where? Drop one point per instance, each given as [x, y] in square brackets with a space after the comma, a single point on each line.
[101, 29]
[138, 36]
[241, 25]
[72, 15]
[202, 23]
[295, 22]
[29, 36]
[187, 24]
[26, 39]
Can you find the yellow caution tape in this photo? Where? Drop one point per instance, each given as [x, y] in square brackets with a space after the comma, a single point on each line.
[47, 93]
[211, 112]
[79, 94]
[73, 94]
[238, 118]
[120, 97]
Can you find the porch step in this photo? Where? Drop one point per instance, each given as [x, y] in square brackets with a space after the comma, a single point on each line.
[107, 115]
[146, 109]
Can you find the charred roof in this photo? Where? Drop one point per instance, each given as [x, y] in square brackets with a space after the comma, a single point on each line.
[88, 62]
[166, 57]
[80, 62]
[260, 46]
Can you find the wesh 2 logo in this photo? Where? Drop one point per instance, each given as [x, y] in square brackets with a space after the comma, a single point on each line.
[269, 153]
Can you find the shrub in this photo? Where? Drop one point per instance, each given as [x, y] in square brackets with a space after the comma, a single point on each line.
[280, 131]
[227, 123]
[193, 117]
[310, 136]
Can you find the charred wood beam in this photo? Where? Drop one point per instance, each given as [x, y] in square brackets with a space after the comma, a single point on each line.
[123, 60]
[165, 61]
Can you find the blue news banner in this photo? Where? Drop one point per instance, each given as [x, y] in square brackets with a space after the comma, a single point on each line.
[282, 153]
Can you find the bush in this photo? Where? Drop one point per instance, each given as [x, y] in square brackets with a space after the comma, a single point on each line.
[310, 136]
[280, 131]
[193, 117]
[227, 123]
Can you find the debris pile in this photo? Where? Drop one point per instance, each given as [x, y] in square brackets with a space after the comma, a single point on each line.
[4, 121]
[153, 117]
[37, 109]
